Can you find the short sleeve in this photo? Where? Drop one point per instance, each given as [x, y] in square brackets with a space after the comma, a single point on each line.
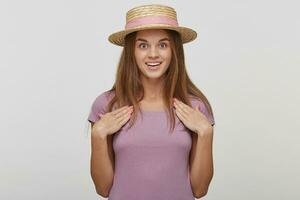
[98, 107]
[203, 109]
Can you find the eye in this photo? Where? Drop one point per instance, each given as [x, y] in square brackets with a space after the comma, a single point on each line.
[163, 45]
[142, 45]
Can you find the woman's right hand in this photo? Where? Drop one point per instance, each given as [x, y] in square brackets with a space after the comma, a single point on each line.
[111, 122]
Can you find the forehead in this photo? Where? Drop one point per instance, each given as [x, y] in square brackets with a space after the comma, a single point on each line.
[152, 34]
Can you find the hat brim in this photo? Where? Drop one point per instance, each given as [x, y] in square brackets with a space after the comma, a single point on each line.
[187, 34]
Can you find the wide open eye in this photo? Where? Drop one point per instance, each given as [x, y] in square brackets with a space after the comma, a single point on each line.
[143, 45]
[163, 45]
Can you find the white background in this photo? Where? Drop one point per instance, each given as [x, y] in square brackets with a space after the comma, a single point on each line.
[55, 59]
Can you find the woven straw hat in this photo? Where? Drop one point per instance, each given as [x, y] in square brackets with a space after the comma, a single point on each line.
[153, 16]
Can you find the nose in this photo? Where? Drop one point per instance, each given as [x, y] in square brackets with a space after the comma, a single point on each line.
[153, 53]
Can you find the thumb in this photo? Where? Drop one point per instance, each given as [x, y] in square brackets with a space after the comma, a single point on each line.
[100, 115]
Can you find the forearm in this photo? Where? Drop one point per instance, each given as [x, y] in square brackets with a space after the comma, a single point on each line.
[201, 171]
[101, 166]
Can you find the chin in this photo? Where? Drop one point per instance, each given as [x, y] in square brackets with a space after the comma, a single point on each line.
[154, 75]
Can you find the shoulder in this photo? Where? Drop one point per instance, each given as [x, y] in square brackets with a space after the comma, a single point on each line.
[196, 101]
[99, 105]
[103, 98]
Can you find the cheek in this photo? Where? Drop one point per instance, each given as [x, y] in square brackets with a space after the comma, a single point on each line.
[139, 56]
[167, 56]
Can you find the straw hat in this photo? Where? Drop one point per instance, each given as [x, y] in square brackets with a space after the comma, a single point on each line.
[153, 16]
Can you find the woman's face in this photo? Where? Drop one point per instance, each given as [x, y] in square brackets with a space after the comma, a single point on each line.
[152, 52]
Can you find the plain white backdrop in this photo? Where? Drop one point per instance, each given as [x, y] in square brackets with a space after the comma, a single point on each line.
[55, 59]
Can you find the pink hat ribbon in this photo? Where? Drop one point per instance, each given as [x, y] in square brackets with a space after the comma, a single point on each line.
[151, 20]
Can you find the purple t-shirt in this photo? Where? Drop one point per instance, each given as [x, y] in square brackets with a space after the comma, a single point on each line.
[150, 162]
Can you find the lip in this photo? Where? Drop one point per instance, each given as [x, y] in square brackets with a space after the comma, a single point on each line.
[154, 62]
[157, 67]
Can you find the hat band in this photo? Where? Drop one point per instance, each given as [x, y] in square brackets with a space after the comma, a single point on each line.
[151, 20]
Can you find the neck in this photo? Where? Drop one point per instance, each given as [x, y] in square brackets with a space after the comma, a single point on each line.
[153, 89]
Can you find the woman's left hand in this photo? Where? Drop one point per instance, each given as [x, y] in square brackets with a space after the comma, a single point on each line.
[192, 118]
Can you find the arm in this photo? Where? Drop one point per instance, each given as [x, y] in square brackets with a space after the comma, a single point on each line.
[102, 163]
[201, 163]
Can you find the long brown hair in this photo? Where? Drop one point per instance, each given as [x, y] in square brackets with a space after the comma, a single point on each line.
[128, 88]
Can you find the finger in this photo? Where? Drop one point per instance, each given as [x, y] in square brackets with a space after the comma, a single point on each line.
[123, 112]
[183, 114]
[179, 114]
[181, 107]
[124, 119]
[119, 110]
[184, 106]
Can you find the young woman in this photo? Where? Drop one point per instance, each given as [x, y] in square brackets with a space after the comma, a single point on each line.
[152, 132]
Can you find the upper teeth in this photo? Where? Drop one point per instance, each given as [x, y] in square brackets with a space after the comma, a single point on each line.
[157, 63]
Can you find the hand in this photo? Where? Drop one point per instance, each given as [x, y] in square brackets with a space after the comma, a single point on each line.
[193, 119]
[111, 122]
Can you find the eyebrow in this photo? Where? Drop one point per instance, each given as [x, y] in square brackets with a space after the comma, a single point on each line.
[141, 39]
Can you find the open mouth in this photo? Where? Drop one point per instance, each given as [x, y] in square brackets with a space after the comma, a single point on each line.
[153, 65]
